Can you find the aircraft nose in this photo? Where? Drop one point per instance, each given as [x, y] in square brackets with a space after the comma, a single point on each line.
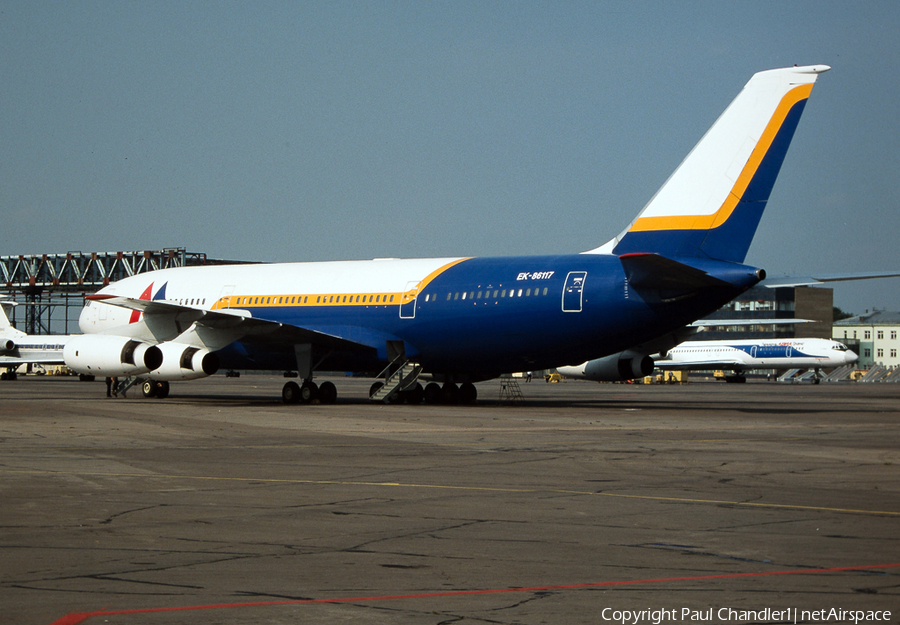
[851, 357]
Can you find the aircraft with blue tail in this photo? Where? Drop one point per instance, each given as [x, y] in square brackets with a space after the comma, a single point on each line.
[463, 320]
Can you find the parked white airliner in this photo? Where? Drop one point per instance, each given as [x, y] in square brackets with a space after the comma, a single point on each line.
[18, 348]
[468, 319]
[738, 355]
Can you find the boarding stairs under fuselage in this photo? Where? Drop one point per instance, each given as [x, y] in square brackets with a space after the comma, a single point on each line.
[399, 376]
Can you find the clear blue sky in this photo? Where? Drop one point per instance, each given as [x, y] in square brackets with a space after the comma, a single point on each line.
[289, 131]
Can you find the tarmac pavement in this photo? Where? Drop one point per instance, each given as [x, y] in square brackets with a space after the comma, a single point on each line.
[588, 503]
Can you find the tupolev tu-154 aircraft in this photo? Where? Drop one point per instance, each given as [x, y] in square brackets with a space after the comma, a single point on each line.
[18, 348]
[467, 319]
[738, 355]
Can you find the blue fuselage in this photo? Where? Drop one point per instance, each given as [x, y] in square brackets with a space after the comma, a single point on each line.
[486, 316]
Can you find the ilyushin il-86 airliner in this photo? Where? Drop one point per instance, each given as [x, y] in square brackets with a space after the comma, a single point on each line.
[463, 320]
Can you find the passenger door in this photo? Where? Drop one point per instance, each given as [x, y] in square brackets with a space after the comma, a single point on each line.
[573, 291]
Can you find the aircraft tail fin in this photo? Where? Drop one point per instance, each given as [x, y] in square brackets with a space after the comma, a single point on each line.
[4, 318]
[711, 205]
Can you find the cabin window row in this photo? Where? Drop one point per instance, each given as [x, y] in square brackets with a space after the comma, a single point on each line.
[263, 300]
[490, 294]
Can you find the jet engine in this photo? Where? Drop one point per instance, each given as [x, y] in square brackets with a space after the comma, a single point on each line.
[99, 354]
[184, 362]
[7, 345]
[619, 367]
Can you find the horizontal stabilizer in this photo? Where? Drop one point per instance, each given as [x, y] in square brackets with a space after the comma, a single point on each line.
[652, 271]
[786, 281]
[707, 323]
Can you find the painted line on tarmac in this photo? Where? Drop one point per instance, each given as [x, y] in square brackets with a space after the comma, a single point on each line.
[76, 618]
[483, 489]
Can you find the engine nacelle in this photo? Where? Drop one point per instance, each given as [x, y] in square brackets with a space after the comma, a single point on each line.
[183, 362]
[620, 367]
[7, 345]
[110, 356]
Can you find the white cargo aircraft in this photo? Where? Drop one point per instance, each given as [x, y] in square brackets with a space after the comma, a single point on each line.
[467, 319]
[738, 355]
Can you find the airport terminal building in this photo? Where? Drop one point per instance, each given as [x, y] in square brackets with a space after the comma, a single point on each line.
[877, 335]
[760, 302]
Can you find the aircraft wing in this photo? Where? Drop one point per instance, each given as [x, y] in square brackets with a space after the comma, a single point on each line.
[699, 365]
[238, 324]
[774, 283]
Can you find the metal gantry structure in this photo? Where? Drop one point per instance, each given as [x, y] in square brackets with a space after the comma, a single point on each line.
[51, 287]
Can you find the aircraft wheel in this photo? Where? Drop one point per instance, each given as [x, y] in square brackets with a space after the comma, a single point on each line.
[290, 393]
[162, 389]
[148, 388]
[3, 376]
[415, 395]
[309, 392]
[450, 394]
[432, 393]
[375, 388]
[468, 394]
[327, 393]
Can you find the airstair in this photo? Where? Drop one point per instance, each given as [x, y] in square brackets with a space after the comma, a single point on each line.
[874, 374]
[788, 375]
[510, 392]
[841, 373]
[398, 376]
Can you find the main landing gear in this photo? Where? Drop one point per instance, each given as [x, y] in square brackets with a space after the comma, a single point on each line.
[450, 394]
[447, 394]
[155, 388]
[308, 392]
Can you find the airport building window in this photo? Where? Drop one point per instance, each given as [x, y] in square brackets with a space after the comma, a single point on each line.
[879, 353]
[867, 334]
[880, 334]
[893, 353]
[893, 334]
[867, 352]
